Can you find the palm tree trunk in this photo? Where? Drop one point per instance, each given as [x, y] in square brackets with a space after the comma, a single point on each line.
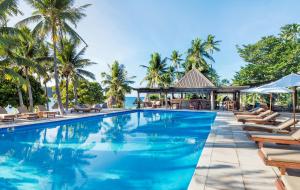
[75, 84]
[21, 102]
[46, 94]
[67, 93]
[57, 90]
[29, 90]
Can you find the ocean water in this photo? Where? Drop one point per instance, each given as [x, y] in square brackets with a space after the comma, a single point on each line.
[129, 102]
[125, 151]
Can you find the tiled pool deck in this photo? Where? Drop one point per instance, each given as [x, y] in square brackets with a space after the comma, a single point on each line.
[230, 160]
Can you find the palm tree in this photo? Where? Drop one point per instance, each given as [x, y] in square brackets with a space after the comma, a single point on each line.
[155, 70]
[200, 52]
[53, 17]
[176, 59]
[72, 64]
[168, 77]
[290, 32]
[26, 56]
[211, 44]
[10, 72]
[44, 51]
[8, 8]
[176, 62]
[117, 83]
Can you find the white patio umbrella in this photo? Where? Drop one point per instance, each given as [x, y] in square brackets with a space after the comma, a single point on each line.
[289, 81]
[267, 90]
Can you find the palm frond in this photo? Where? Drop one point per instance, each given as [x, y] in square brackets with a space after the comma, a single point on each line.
[86, 73]
[29, 20]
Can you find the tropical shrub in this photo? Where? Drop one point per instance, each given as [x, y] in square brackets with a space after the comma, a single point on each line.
[88, 93]
[9, 93]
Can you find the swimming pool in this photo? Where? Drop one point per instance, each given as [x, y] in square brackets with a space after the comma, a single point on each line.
[130, 150]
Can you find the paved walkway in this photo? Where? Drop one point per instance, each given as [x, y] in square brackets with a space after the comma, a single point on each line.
[21, 122]
[230, 161]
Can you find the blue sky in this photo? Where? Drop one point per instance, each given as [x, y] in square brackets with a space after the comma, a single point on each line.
[130, 30]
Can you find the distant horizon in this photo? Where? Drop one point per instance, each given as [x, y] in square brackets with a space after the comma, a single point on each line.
[130, 31]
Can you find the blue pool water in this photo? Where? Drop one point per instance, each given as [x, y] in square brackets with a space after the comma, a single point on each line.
[133, 150]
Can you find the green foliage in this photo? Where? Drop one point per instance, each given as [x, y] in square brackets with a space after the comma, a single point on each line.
[8, 8]
[9, 93]
[168, 77]
[200, 52]
[38, 93]
[153, 97]
[212, 75]
[224, 82]
[277, 99]
[270, 58]
[117, 84]
[161, 74]
[155, 71]
[72, 63]
[88, 93]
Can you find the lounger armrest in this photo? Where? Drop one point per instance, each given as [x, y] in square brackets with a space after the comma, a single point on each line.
[254, 128]
[258, 121]
[261, 140]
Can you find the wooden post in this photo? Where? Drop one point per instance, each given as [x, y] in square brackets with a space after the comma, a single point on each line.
[166, 99]
[238, 101]
[296, 98]
[138, 101]
[212, 100]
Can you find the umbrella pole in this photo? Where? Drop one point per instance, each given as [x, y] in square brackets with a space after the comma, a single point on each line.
[271, 101]
[294, 106]
[253, 101]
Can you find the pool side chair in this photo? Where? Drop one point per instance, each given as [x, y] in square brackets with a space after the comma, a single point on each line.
[280, 158]
[93, 108]
[286, 182]
[292, 138]
[81, 109]
[96, 108]
[43, 112]
[254, 112]
[270, 119]
[5, 117]
[25, 114]
[259, 116]
[283, 127]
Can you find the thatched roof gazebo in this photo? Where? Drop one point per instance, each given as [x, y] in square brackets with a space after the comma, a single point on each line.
[195, 82]
[194, 79]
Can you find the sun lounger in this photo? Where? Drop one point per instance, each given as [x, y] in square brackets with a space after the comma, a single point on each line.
[281, 158]
[4, 116]
[81, 109]
[283, 127]
[288, 183]
[270, 119]
[293, 138]
[25, 114]
[93, 108]
[96, 109]
[254, 112]
[259, 116]
[42, 112]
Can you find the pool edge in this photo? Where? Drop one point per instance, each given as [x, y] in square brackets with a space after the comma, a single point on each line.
[200, 174]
